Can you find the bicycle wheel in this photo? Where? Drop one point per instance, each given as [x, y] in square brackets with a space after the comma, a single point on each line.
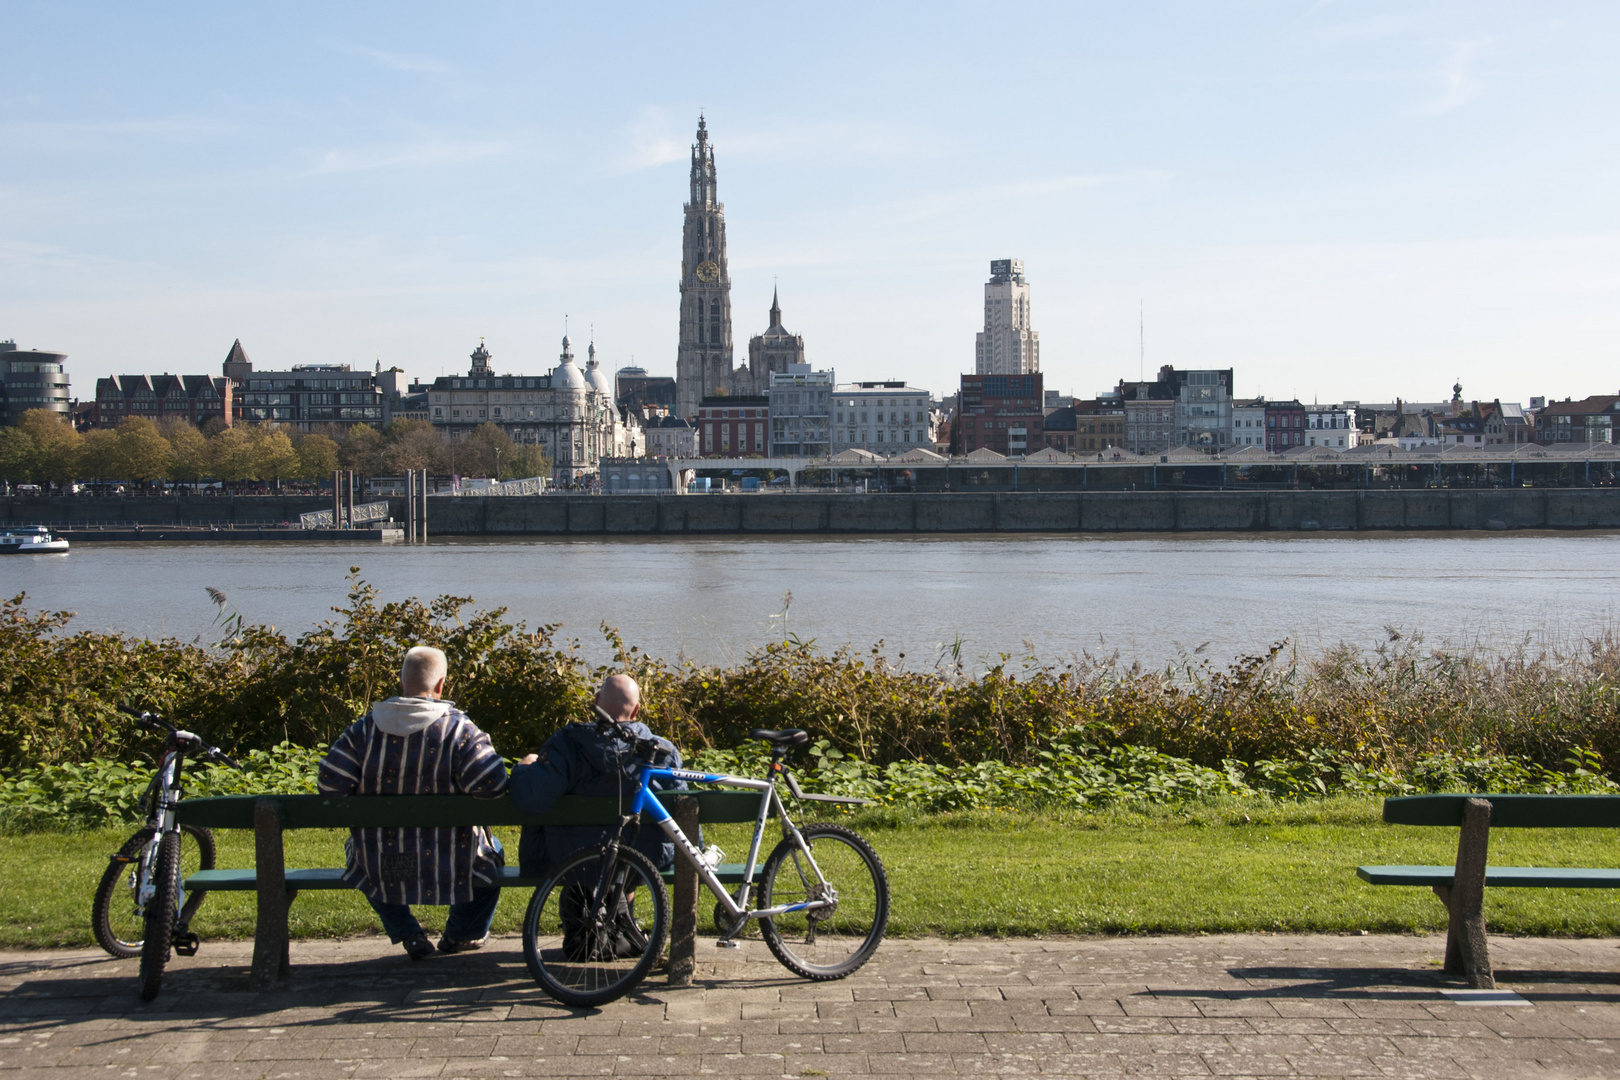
[157, 936]
[825, 943]
[590, 937]
[117, 918]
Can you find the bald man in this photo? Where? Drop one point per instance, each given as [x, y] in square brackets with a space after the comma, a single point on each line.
[420, 744]
[580, 760]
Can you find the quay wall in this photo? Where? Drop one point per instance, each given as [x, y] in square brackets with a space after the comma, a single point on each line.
[914, 512]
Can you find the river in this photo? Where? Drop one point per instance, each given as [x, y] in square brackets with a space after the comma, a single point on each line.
[1155, 600]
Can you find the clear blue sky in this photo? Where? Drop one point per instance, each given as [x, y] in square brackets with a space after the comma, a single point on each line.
[1338, 199]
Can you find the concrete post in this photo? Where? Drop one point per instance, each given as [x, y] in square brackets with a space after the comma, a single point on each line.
[683, 916]
[270, 945]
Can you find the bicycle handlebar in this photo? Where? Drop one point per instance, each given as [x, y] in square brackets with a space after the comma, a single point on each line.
[194, 742]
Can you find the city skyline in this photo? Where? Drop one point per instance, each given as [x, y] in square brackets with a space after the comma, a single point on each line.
[1337, 200]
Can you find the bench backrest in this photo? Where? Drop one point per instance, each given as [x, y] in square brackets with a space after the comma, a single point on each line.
[434, 811]
[1509, 811]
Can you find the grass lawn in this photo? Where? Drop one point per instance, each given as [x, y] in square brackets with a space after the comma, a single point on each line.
[1222, 868]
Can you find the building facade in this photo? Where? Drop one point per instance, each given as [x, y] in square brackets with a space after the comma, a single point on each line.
[1099, 425]
[314, 397]
[883, 417]
[638, 391]
[801, 412]
[1332, 426]
[1590, 420]
[1007, 345]
[1204, 409]
[569, 414]
[1249, 422]
[733, 426]
[1285, 425]
[669, 436]
[703, 360]
[32, 379]
[195, 399]
[1003, 413]
[1150, 424]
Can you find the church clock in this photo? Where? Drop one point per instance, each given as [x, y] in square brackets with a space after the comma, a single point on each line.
[708, 272]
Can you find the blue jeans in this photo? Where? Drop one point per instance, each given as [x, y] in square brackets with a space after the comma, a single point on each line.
[467, 921]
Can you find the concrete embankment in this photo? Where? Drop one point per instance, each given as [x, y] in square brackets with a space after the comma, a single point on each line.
[919, 512]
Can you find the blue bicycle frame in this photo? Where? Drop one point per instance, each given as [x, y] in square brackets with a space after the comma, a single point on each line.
[646, 802]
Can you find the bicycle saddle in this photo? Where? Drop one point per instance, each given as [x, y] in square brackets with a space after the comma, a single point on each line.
[786, 737]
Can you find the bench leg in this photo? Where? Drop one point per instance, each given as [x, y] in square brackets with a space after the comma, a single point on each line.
[271, 953]
[1467, 953]
[683, 919]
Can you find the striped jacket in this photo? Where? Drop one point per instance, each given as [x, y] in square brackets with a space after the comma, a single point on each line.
[416, 746]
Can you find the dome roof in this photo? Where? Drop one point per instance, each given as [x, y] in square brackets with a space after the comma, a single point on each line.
[599, 380]
[566, 375]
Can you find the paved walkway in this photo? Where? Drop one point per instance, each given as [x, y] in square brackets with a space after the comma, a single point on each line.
[1164, 1007]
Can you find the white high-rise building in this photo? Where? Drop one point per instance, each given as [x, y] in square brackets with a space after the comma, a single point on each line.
[1007, 345]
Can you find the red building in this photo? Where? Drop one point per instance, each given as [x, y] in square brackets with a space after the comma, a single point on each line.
[194, 398]
[733, 426]
[1002, 413]
[1285, 425]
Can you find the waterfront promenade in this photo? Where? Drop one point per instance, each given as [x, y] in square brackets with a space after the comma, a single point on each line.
[907, 513]
[1107, 1007]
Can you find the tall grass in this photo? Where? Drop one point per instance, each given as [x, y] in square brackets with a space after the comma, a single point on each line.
[1388, 704]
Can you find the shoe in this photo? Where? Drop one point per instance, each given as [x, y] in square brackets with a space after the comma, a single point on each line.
[418, 946]
[448, 944]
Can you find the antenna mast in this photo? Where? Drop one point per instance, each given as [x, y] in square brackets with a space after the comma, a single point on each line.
[1141, 341]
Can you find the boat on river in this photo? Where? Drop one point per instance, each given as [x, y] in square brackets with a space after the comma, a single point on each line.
[34, 542]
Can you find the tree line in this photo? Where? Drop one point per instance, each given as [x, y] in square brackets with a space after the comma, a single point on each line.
[44, 448]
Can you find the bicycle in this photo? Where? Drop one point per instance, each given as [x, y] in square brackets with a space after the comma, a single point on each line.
[142, 891]
[823, 900]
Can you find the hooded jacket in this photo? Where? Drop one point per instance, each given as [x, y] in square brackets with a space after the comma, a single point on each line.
[416, 746]
[579, 760]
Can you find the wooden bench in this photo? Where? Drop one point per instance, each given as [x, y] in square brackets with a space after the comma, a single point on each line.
[1462, 887]
[269, 816]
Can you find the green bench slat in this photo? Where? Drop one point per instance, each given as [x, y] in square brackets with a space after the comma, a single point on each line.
[434, 811]
[332, 878]
[1501, 877]
[1509, 811]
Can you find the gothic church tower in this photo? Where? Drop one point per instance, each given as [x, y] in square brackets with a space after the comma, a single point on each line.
[703, 364]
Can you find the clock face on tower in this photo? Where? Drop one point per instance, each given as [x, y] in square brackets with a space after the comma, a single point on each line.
[708, 272]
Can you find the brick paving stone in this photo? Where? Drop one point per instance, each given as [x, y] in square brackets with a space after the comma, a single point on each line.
[1166, 1007]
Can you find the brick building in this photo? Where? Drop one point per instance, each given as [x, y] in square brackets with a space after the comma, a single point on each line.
[1285, 425]
[1003, 413]
[196, 399]
[1590, 420]
[733, 426]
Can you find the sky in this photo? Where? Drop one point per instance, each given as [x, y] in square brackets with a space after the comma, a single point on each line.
[1339, 200]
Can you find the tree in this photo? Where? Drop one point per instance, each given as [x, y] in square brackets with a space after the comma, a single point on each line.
[526, 460]
[100, 457]
[317, 457]
[146, 454]
[362, 450]
[273, 453]
[414, 444]
[56, 444]
[486, 448]
[231, 452]
[190, 462]
[17, 455]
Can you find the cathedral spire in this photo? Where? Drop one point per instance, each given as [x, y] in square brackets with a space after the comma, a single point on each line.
[776, 310]
[703, 181]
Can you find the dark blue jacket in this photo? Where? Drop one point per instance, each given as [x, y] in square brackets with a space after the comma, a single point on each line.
[578, 760]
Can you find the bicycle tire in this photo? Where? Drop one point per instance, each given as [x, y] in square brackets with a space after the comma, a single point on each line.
[116, 919]
[834, 945]
[158, 938]
[578, 964]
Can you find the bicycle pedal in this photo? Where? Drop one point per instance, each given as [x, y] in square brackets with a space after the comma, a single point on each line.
[187, 944]
[725, 944]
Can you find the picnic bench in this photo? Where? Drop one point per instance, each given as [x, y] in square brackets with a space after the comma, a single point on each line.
[1462, 887]
[276, 886]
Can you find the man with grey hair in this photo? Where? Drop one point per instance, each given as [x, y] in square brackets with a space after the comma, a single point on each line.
[420, 744]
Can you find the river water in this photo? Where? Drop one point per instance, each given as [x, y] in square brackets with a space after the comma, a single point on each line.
[1154, 600]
